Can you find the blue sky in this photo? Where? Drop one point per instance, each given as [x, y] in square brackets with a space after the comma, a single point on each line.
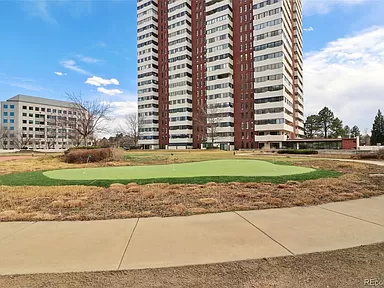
[95, 42]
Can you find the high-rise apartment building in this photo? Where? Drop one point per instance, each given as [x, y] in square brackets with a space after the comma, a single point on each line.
[219, 72]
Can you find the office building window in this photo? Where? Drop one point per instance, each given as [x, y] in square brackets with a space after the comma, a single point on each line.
[11, 113]
[24, 107]
[5, 106]
[12, 106]
[12, 121]
[5, 121]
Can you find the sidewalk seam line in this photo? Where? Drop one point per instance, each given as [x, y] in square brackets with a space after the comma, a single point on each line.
[277, 242]
[17, 231]
[126, 246]
[347, 215]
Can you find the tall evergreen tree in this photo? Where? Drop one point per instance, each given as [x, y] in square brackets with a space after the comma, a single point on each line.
[355, 132]
[326, 118]
[311, 126]
[337, 129]
[378, 129]
[346, 132]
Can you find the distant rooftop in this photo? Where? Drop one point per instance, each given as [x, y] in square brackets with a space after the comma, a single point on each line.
[39, 100]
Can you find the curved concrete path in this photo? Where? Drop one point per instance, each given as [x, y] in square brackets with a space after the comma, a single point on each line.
[51, 247]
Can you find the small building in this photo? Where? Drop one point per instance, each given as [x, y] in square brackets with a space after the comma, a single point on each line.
[323, 143]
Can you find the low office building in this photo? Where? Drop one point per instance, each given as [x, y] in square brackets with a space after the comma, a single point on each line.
[29, 122]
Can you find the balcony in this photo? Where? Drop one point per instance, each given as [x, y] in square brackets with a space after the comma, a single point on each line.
[270, 138]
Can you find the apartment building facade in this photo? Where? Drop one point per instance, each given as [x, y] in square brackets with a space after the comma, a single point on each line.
[226, 73]
[29, 122]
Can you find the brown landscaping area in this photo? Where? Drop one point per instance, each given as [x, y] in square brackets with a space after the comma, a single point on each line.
[342, 268]
[9, 158]
[128, 201]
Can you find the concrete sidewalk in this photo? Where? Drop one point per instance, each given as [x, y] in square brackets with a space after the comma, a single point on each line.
[51, 247]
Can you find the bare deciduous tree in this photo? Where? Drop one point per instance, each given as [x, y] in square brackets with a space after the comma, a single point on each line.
[208, 119]
[131, 125]
[22, 139]
[4, 137]
[91, 116]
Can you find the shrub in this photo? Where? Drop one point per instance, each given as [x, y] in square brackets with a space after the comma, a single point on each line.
[88, 155]
[297, 151]
[117, 154]
[81, 148]
[380, 154]
[371, 155]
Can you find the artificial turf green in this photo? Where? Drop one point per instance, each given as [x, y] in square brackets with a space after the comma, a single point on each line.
[38, 178]
[212, 168]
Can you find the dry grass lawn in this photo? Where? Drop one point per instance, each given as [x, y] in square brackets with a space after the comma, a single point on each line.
[126, 201]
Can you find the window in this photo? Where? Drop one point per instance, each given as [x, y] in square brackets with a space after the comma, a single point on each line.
[54, 110]
[12, 128]
[5, 113]
[24, 121]
[30, 121]
[36, 108]
[12, 106]
[24, 114]
[5, 121]
[5, 106]
[30, 108]
[12, 114]
[24, 107]
[12, 121]
[30, 115]
[49, 110]
[42, 109]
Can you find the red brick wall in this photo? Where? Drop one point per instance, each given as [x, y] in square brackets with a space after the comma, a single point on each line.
[199, 99]
[348, 144]
[163, 73]
[243, 74]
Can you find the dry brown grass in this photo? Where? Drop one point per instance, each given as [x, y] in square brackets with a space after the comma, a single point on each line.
[162, 199]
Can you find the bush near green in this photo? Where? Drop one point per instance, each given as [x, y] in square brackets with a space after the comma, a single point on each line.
[374, 155]
[79, 156]
[81, 148]
[298, 151]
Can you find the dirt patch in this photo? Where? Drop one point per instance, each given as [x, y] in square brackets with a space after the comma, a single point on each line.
[163, 200]
[342, 268]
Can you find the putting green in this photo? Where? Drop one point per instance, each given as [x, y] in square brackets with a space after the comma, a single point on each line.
[182, 170]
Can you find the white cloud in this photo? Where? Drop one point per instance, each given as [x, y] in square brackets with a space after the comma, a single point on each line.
[347, 76]
[60, 73]
[311, 7]
[88, 60]
[43, 8]
[110, 92]
[98, 81]
[22, 82]
[71, 65]
[40, 9]
[309, 29]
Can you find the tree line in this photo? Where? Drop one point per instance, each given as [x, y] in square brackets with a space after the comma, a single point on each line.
[325, 124]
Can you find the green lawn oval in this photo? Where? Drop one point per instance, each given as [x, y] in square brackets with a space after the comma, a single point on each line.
[245, 168]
